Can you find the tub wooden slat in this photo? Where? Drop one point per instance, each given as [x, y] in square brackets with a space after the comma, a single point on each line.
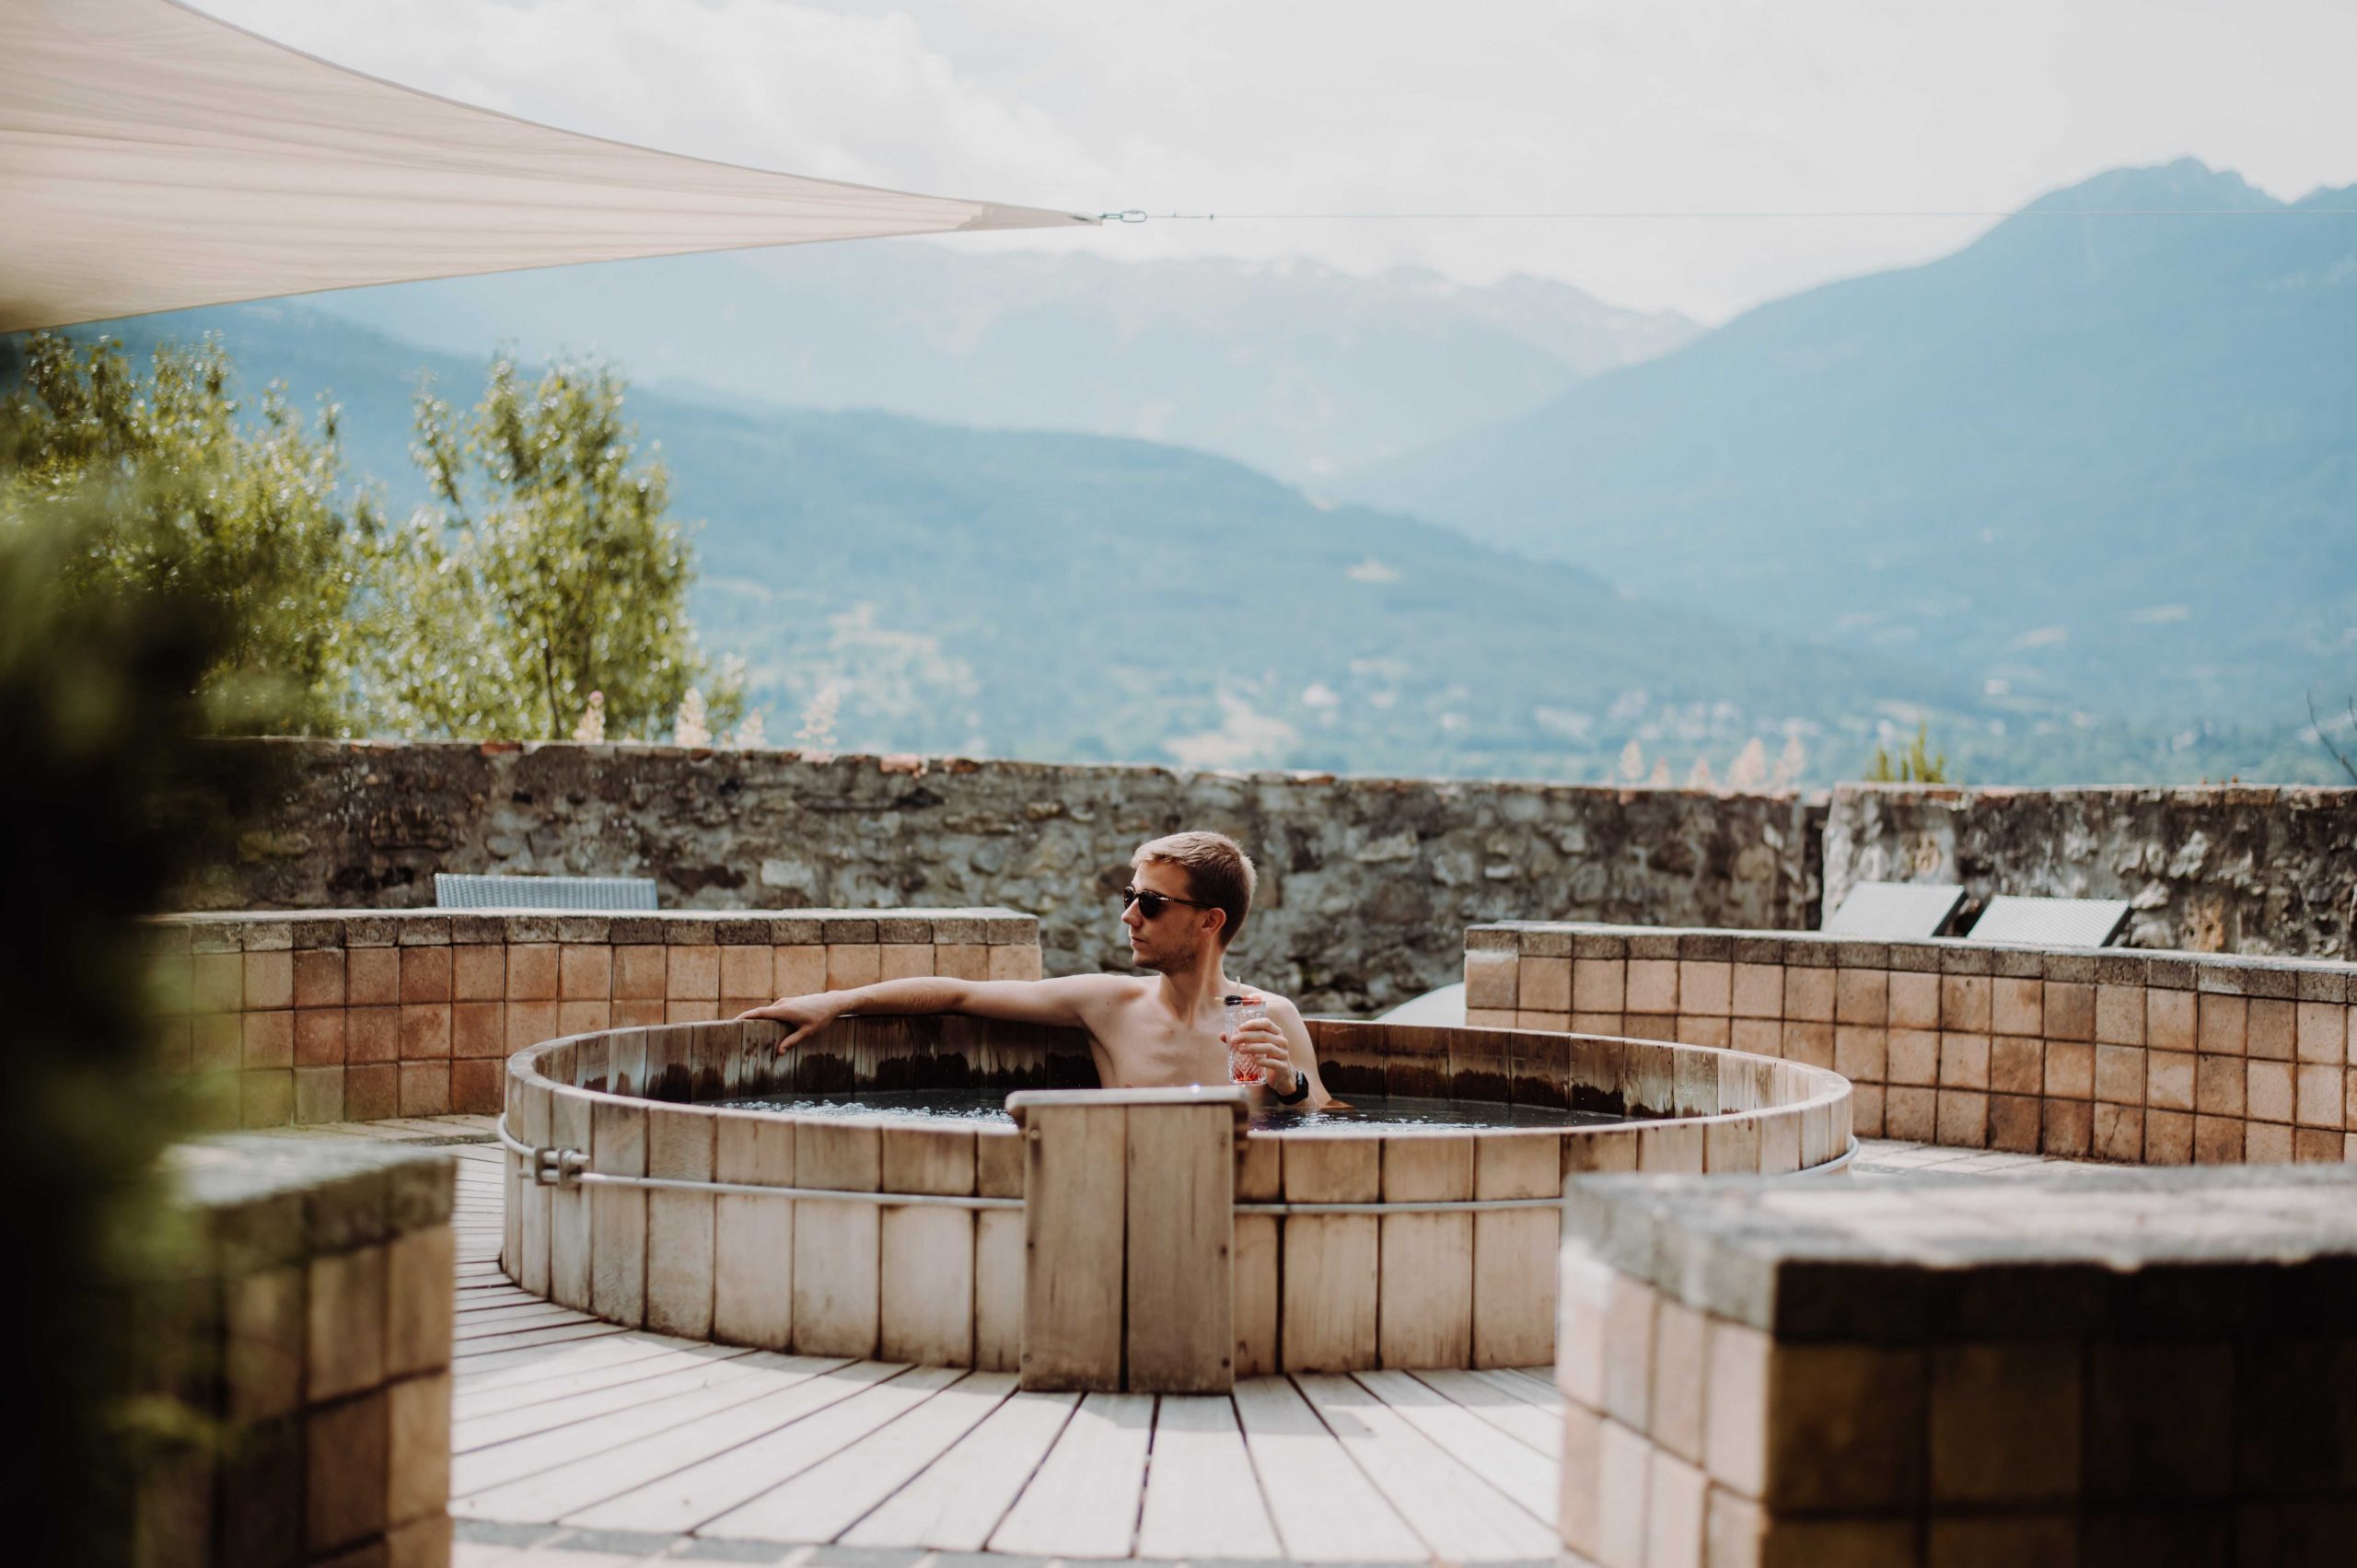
[1181, 1178]
[752, 1263]
[569, 1239]
[679, 1225]
[1074, 1215]
[1424, 1311]
[925, 1309]
[533, 1257]
[998, 1290]
[1514, 1250]
[1258, 1241]
[513, 1174]
[618, 1215]
[1332, 1261]
[836, 1246]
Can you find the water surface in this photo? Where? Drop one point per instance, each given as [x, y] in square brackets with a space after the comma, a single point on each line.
[983, 1108]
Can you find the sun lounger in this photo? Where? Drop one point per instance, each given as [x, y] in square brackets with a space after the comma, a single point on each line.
[2050, 922]
[1440, 1008]
[1894, 911]
[585, 894]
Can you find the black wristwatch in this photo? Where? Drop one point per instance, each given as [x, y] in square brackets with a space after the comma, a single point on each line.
[1300, 1089]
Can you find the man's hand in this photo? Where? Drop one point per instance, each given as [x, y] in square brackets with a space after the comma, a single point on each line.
[1264, 1043]
[803, 1017]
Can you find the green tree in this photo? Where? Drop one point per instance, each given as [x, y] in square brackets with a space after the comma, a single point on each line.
[544, 570]
[167, 484]
[1917, 764]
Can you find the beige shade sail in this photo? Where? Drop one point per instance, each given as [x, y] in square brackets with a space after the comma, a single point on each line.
[152, 158]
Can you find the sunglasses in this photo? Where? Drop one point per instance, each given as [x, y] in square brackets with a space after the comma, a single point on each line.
[1152, 904]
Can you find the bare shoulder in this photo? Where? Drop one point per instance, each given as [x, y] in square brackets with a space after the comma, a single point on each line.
[1111, 987]
[1280, 1007]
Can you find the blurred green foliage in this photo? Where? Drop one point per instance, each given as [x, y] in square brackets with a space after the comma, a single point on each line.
[161, 481]
[107, 798]
[542, 570]
[1916, 764]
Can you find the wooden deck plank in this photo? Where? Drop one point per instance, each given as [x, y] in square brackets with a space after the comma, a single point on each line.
[584, 1483]
[960, 1499]
[1202, 1498]
[1520, 1472]
[476, 1430]
[1515, 1417]
[1536, 1384]
[532, 1338]
[470, 1403]
[495, 1295]
[486, 1468]
[491, 1316]
[491, 1369]
[1083, 1501]
[1457, 1515]
[464, 1337]
[709, 1493]
[1324, 1507]
[834, 1494]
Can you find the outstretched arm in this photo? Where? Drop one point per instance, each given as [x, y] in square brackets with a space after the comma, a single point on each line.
[1068, 1000]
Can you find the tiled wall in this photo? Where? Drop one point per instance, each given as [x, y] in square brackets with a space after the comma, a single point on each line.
[2129, 1056]
[315, 1328]
[2150, 1369]
[360, 1015]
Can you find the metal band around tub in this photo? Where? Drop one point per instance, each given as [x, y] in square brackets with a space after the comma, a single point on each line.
[564, 1167]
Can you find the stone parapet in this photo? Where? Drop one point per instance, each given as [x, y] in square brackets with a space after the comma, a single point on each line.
[1365, 882]
[2097, 1368]
[2227, 869]
[358, 1016]
[305, 1326]
[2114, 1054]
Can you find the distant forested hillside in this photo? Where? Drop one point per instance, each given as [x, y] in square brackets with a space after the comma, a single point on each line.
[2102, 463]
[1086, 598]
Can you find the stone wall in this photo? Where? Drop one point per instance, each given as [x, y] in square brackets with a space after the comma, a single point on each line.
[1366, 884]
[2229, 870]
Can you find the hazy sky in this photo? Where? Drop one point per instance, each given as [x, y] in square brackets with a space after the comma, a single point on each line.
[1322, 106]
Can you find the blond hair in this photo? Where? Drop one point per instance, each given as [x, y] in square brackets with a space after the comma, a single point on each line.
[1218, 871]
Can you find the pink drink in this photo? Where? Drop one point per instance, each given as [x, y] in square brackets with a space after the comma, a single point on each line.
[1242, 1068]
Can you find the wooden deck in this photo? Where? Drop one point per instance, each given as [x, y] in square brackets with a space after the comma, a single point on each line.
[578, 1443]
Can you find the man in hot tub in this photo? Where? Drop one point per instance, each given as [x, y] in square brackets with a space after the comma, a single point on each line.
[1187, 899]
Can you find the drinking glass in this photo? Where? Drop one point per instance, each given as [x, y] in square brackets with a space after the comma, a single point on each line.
[1242, 1067]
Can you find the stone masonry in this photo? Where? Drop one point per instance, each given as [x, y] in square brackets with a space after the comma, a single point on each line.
[2226, 870]
[1366, 884]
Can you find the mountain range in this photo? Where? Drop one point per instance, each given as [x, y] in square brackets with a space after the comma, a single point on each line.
[2082, 496]
[2107, 462]
[1293, 367]
[1099, 598]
